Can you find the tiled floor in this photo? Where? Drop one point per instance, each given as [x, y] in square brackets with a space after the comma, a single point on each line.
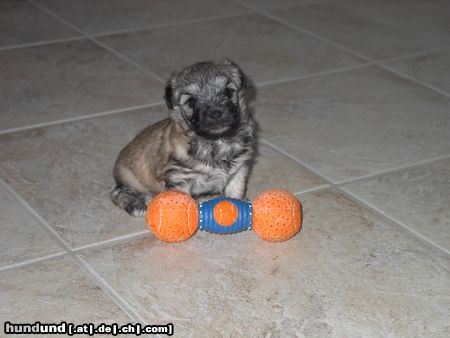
[353, 104]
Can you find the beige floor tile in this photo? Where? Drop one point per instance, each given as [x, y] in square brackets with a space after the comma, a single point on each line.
[265, 49]
[418, 197]
[66, 80]
[22, 23]
[22, 237]
[64, 172]
[53, 291]
[378, 29]
[355, 123]
[110, 15]
[273, 170]
[347, 273]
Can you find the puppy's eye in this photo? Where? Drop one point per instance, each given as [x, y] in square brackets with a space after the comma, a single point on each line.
[191, 102]
[228, 92]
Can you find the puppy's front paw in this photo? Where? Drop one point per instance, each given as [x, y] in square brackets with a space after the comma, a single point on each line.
[137, 208]
[206, 198]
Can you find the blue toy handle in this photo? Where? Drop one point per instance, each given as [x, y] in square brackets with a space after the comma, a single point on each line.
[208, 223]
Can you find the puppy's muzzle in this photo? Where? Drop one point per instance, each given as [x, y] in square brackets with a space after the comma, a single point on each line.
[215, 115]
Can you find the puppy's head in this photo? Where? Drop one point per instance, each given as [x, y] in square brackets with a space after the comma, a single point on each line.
[207, 98]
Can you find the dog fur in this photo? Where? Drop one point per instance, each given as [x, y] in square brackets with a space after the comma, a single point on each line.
[205, 146]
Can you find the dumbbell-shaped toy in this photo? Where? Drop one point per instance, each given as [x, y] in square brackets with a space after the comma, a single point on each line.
[174, 216]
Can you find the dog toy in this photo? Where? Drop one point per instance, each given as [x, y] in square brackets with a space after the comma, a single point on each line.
[174, 216]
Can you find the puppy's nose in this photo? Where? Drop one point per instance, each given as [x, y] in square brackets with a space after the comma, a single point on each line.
[215, 114]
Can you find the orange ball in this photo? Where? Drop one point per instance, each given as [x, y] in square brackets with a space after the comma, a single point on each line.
[172, 216]
[225, 213]
[277, 215]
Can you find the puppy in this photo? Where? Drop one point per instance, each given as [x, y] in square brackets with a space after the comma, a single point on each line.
[203, 148]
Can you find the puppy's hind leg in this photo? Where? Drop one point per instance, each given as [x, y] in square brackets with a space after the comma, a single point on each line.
[133, 203]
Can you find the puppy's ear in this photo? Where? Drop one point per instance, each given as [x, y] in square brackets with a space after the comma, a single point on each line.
[168, 95]
[236, 74]
[168, 92]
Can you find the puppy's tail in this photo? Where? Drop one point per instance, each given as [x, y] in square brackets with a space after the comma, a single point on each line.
[125, 198]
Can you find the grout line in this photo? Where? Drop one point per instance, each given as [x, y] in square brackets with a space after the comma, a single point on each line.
[351, 180]
[162, 103]
[304, 31]
[411, 79]
[40, 43]
[122, 31]
[379, 63]
[414, 55]
[307, 166]
[313, 75]
[368, 205]
[42, 222]
[32, 261]
[80, 118]
[356, 198]
[113, 241]
[392, 170]
[114, 296]
[97, 42]
[127, 59]
[312, 190]
[108, 289]
[169, 24]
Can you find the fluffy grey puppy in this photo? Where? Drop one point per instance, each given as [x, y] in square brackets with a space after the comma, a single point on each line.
[204, 147]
